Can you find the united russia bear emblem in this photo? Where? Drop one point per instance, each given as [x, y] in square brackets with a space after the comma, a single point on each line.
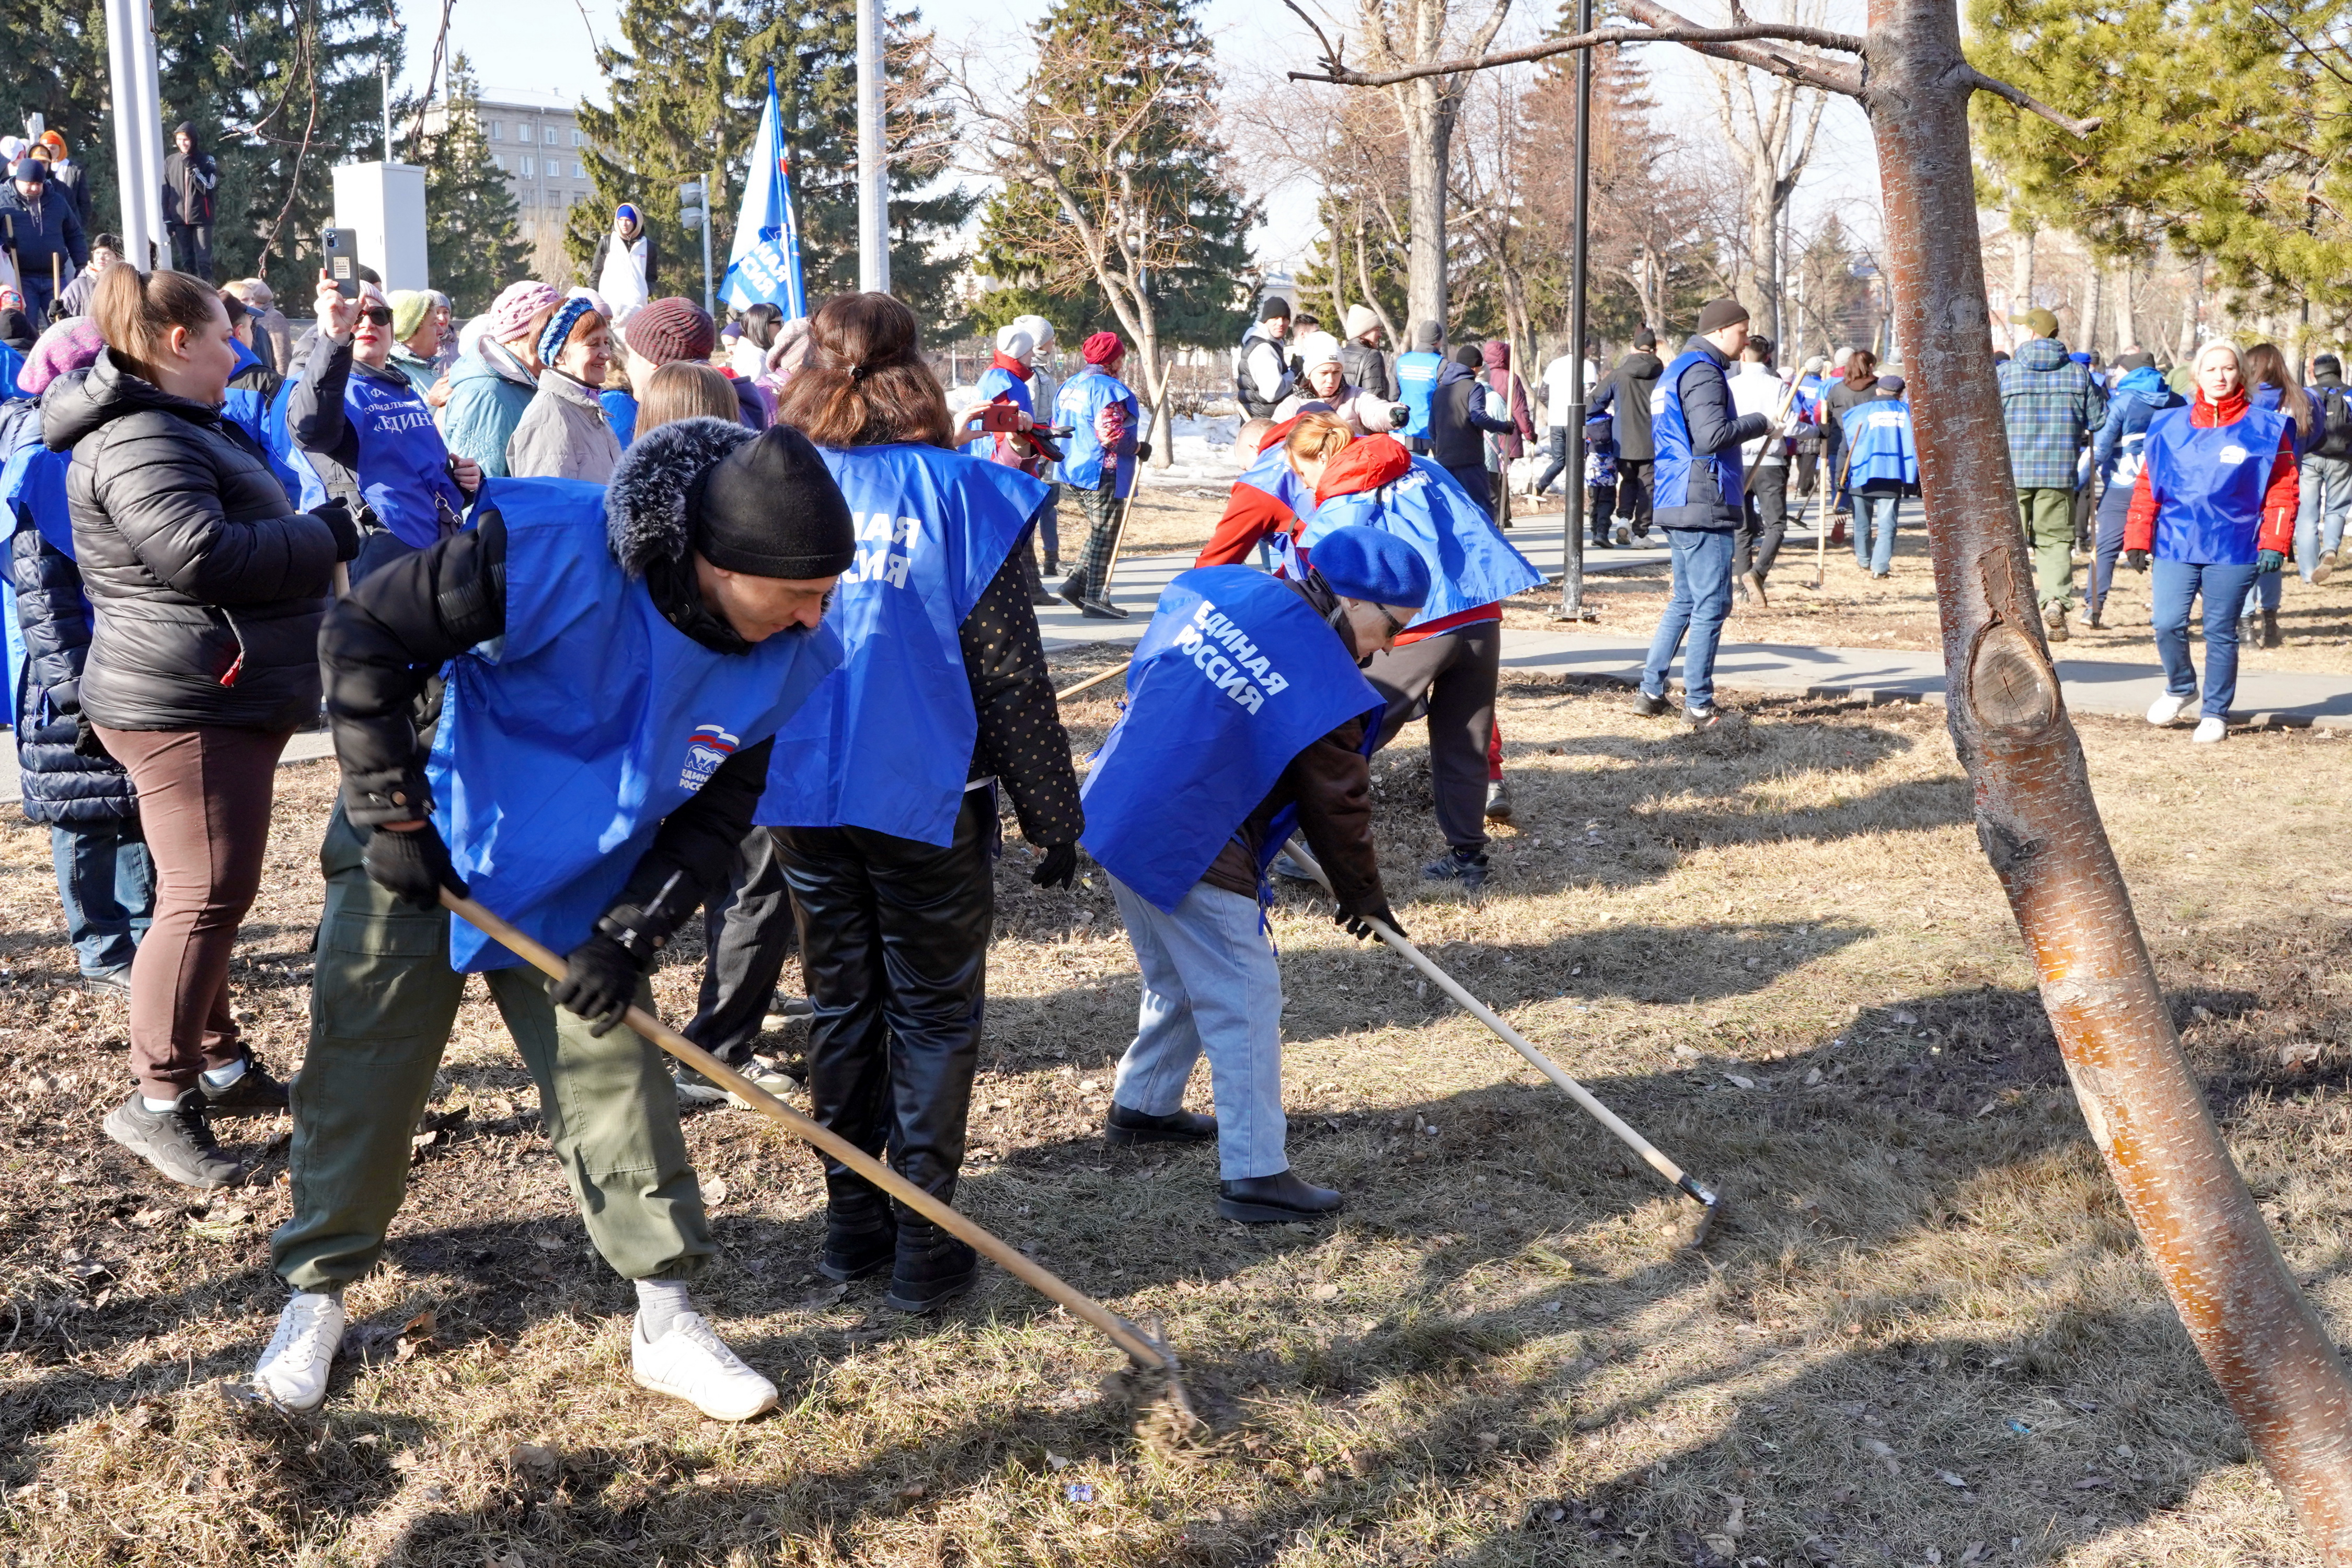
[705, 749]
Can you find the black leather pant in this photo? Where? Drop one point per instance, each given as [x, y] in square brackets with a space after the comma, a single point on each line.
[893, 944]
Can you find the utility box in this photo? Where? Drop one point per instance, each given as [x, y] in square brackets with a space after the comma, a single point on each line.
[384, 205]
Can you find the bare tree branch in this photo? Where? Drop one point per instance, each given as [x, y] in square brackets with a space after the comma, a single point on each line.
[2032, 105]
[1830, 76]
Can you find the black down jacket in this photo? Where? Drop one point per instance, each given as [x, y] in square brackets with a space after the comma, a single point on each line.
[209, 585]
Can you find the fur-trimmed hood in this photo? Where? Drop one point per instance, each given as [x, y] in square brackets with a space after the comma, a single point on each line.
[646, 504]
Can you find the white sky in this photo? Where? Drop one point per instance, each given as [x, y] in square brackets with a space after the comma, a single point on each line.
[543, 47]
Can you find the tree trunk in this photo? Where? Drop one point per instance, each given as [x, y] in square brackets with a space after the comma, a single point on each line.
[2127, 308]
[2094, 299]
[1429, 150]
[1762, 293]
[2264, 1344]
[2021, 270]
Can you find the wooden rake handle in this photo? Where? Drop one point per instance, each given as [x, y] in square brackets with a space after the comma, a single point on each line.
[1145, 1351]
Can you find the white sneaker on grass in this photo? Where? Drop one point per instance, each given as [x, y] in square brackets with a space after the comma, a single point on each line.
[2209, 730]
[2168, 708]
[293, 1370]
[692, 1363]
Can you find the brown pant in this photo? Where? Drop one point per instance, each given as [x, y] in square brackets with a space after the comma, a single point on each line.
[204, 798]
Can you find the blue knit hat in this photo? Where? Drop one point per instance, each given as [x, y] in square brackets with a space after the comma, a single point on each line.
[1375, 567]
[558, 331]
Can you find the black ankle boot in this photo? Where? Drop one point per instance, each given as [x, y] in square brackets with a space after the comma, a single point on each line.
[932, 1266]
[1123, 1126]
[861, 1234]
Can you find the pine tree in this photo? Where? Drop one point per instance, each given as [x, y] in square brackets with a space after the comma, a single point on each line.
[1114, 136]
[687, 90]
[473, 240]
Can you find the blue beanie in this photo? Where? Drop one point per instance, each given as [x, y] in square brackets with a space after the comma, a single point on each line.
[1376, 567]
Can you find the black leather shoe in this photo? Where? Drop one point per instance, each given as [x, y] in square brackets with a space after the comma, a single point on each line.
[1125, 1126]
[255, 1093]
[933, 1269]
[1272, 1200]
[861, 1236]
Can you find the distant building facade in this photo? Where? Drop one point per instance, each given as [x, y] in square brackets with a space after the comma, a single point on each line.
[536, 141]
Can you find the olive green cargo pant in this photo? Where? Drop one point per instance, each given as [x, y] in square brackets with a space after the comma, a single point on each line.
[382, 999]
[2048, 517]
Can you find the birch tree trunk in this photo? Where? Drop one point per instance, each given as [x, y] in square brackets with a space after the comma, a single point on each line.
[2094, 302]
[2266, 1347]
[2127, 308]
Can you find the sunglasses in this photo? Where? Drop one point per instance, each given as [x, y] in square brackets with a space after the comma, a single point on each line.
[379, 315]
[1396, 627]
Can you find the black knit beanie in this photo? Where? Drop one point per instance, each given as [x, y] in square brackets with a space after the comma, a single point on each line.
[769, 509]
[1717, 314]
[1468, 354]
[1275, 308]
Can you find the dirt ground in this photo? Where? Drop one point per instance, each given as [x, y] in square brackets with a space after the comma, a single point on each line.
[1924, 1331]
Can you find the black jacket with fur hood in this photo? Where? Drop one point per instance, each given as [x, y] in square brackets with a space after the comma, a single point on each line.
[382, 647]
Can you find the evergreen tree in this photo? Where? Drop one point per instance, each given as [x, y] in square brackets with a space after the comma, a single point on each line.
[1118, 121]
[688, 88]
[472, 239]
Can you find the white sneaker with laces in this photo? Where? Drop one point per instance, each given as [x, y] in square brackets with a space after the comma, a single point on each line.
[692, 1363]
[2209, 730]
[293, 1370]
[2167, 707]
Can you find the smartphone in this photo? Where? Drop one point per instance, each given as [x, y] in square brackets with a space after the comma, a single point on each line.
[1000, 416]
[342, 250]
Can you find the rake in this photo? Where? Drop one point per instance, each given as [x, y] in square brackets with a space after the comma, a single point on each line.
[1152, 1355]
[1709, 1200]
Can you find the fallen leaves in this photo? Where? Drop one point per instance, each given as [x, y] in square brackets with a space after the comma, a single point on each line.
[373, 1343]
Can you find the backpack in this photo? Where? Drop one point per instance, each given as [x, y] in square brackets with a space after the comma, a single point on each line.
[2334, 422]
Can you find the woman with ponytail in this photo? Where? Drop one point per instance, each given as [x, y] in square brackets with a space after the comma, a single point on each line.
[208, 588]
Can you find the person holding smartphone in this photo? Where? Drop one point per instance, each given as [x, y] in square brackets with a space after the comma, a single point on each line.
[368, 434]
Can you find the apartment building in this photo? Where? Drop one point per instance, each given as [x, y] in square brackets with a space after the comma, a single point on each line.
[536, 141]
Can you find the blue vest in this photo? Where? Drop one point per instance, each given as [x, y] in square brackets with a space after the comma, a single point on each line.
[1273, 474]
[1675, 463]
[1470, 564]
[996, 382]
[2208, 485]
[1878, 443]
[1082, 397]
[564, 742]
[621, 414]
[886, 742]
[1235, 676]
[33, 484]
[1417, 375]
[404, 467]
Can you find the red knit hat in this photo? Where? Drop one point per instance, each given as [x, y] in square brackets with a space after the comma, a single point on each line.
[1103, 348]
[669, 330]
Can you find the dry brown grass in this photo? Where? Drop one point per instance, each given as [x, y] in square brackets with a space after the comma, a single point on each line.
[1925, 1325]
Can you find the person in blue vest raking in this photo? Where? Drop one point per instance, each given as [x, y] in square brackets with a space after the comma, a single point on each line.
[615, 676]
[1005, 383]
[1445, 665]
[1098, 466]
[1417, 372]
[1698, 500]
[367, 436]
[1882, 467]
[1247, 718]
[106, 878]
[883, 796]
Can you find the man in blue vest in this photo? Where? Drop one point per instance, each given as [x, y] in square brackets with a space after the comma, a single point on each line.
[1099, 469]
[1417, 373]
[615, 677]
[1699, 501]
[1246, 719]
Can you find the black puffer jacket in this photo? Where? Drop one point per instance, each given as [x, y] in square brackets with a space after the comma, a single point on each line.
[207, 593]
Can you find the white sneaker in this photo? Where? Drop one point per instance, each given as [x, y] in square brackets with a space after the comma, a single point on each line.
[2167, 707]
[2209, 730]
[691, 1362]
[293, 1370]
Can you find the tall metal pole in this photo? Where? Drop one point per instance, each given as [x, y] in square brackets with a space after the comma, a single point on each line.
[1571, 545]
[138, 128]
[873, 172]
[383, 69]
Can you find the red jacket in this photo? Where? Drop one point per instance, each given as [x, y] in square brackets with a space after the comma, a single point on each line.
[2280, 498]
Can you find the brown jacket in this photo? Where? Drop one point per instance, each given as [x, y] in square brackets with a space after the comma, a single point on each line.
[1331, 783]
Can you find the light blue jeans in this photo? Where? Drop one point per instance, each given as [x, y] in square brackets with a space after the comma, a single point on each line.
[2176, 585]
[2319, 517]
[1700, 601]
[106, 884]
[1876, 518]
[1209, 985]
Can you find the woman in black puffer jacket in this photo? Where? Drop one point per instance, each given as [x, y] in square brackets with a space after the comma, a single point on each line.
[208, 588]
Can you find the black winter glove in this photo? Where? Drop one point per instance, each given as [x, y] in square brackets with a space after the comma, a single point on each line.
[599, 982]
[2268, 561]
[86, 741]
[1057, 868]
[1143, 452]
[336, 513]
[2136, 559]
[1360, 926]
[413, 867]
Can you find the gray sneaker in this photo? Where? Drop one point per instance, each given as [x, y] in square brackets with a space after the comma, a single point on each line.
[178, 1143]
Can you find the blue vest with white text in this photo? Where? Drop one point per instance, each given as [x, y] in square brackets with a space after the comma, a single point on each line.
[1082, 397]
[1235, 676]
[1670, 433]
[2208, 485]
[886, 742]
[1273, 475]
[1417, 375]
[1470, 564]
[1878, 443]
[566, 740]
